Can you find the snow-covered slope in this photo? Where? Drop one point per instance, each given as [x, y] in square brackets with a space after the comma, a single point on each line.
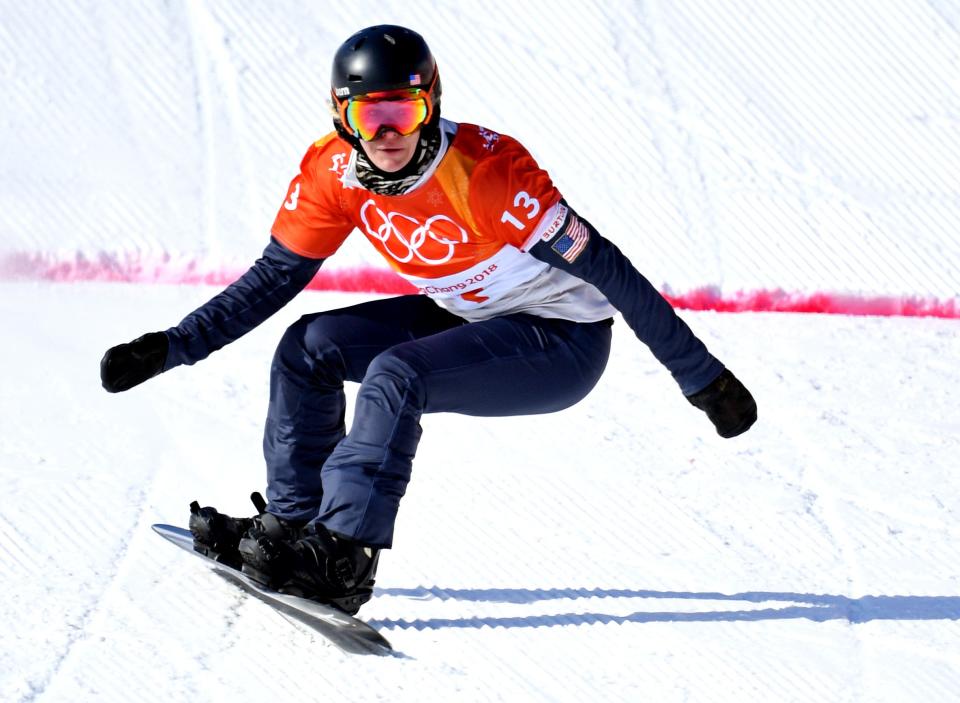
[806, 146]
[616, 551]
[619, 550]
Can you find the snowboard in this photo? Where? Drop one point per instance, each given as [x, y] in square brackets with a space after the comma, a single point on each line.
[346, 632]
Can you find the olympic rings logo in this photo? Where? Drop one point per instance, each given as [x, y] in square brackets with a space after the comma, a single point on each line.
[403, 237]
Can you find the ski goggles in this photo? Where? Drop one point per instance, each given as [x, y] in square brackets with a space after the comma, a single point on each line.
[404, 111]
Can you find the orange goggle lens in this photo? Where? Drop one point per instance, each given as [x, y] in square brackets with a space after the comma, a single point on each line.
[367, 115]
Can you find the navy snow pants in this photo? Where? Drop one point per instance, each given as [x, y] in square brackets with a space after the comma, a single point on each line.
[410, 357]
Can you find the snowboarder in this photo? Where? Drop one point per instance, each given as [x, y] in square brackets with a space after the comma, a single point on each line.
[517, 292]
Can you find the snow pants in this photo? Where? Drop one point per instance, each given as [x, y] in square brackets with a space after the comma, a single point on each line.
[410, 357]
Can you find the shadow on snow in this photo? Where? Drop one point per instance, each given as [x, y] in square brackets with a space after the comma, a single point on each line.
[784, 606]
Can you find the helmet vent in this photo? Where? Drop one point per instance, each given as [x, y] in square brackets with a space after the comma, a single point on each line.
[354, 78]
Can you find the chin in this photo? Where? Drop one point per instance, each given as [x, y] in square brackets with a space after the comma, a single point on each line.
[390, 160]
[391, 165]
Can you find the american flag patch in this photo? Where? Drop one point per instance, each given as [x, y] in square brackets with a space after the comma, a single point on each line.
[414, 79]
[573, 241]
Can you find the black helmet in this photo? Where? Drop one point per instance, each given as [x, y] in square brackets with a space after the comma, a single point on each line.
[381, 58]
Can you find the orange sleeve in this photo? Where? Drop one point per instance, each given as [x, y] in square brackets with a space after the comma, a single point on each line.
[311, 221]
[509, 193]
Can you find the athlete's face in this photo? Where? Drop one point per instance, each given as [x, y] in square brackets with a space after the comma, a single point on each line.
[391, 151]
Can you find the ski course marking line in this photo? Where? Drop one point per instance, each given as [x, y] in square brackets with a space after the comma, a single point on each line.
[34, 266]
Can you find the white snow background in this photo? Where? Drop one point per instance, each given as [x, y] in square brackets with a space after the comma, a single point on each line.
[618, 550]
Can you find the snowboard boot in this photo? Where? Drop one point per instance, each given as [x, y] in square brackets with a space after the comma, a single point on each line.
[266, 549]
[319, 565]
[217, 535]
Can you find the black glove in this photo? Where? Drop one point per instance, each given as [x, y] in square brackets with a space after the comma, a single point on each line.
[728, 404]
[127, 365]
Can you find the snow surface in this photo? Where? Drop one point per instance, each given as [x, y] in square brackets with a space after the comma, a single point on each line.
[804, 145]
[618, 550]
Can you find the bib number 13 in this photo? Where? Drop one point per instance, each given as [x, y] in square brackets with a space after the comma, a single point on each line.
[530, 207]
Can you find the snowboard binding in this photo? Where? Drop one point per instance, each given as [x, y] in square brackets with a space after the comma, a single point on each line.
[218, 536]
[313, 564]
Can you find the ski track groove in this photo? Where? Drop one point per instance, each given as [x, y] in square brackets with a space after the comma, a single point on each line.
[10, 541]
[79, 633]
[839, 533]
[64, 502]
